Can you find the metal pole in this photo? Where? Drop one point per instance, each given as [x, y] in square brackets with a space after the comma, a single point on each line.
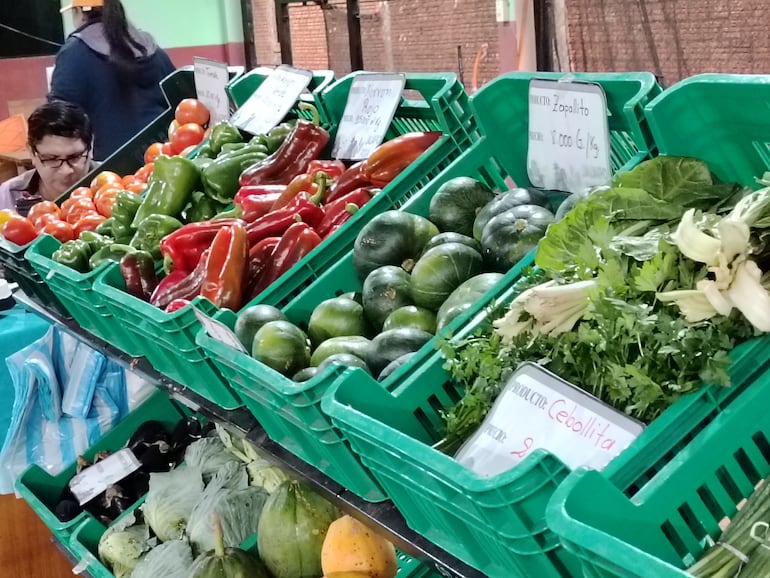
[544, 34]
[283, 28]
[354, 36]
[247, 23]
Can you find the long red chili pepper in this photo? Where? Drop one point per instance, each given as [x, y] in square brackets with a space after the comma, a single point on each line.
[352, 179]
[182, 249]
[180, 284]
[277, 222]
[296, 242]
[259, 257]
[244, 192]
[313, 184]
[389, 159]
[332, 168]
[226, 268]
[337, 212]
[256, 206]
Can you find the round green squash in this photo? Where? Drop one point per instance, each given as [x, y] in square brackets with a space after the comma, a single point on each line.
[345, 359]
[450, 237]
[465, 296]
[251, 319]
[392, 344]
[505, 201]
[411, 316]
[282, 346]
[305, 374]
[509, 236]
[352, 344]
[441, 270]
[456, 203]
[394, 365]
[385, 289]
[335, 318]
[291, 531]
[224, 562]
[391, 238]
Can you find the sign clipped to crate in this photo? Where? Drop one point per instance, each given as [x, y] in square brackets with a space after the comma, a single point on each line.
[211, 78]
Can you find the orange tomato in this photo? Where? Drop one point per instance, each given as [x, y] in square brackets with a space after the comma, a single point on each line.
[137, 187]
[144, 173]
[73, 209]
[127, 181]
[105, 198]
[166, 149]
[172, 128]
[19, 230]
[191, 110]
[103, 178]
[5, 216]
[42, 208]
[81, 192]
[153, 152]
[88, 222]
[61, 230]
[187, 135]
[43, 220]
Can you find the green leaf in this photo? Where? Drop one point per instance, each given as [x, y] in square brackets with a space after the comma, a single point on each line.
[641, 248]
[673, 179]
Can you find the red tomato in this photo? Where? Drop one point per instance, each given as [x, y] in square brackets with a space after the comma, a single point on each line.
[73, 209]
[19, 230]
[153, 152]
[82, 192]
[127, 181]
[191, 110]
[172, 128]
[5, 216]
[143, 174]
[103, 178]
[105, 198]
[43, 220]
[43, 208]
[185, 136]
[88, 222]
[166, 149]
[188, 151]
[61, 230]
[137, 187]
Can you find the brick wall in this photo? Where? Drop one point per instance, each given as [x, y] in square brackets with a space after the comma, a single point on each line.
[671, 38]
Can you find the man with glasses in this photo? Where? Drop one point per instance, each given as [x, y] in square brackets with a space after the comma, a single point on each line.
[60, 138]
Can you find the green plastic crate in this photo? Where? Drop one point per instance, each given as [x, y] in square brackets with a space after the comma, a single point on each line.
[719, 118]
[75, 291]
[177, 86]
[291, 413]
[242, 88]
[662, 528]
[42, 490]
[167, 340]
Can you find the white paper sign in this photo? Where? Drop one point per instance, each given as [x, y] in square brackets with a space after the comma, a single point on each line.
[372, 102]
[211, 78]
[539, 410]
[569, 139]
[270, 103]
[219, 331]
[93, 480]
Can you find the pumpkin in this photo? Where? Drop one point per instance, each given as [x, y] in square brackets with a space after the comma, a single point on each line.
[282, 346]
[385, 289]
[352, 344]
[392, 344]
[503, 202]
[292, 529]
[464, 297]
[450, 237]
[224, 562]
[336, 317]
[351, 547]
[440, 271]
[509, 236]
[456, 203]
[411, 316]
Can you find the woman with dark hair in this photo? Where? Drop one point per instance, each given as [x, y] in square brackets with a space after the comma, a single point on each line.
[112, 71]
[59, 137]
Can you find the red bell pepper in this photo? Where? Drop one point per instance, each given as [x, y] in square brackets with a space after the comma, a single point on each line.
[176, 305]
[389, 159]
[226, 267]
[256, 206]
[180, 284]
[259, 256]
[339, 211]
[182, 249]
[313, 184]
[277, 222]
[244, 192]
[349, 181]
[296, 242]
[138, 271]
[332, 168]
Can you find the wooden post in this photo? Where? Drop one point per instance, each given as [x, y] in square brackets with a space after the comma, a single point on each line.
[354, 35]
[283, 27]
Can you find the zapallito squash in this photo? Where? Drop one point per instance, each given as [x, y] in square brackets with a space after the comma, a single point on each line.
[351, 547]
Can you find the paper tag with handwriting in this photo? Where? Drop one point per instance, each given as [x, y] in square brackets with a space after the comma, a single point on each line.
[538, 410]
[211, 78]
[93, 480]
[270, 103]
[369, 110]
[219, 331]
[569, 138]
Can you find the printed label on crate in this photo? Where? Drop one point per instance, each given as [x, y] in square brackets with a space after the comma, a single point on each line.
[369, 110]
[211, 78]
[538, 410]
[219, 331]
[270, 103]
[569, 138]
[93, 480]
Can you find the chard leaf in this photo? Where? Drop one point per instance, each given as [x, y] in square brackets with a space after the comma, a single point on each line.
[683, 181]
[641, 247]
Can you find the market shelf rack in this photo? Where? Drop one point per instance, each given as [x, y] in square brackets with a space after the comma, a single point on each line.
[383, 515]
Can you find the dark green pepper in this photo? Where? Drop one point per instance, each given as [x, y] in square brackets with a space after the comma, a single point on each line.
[151, 231]
[95, 241]
[232, 146]
[220, 178]
[202, 162]
[123, 213]
[114, 252]
[170, 187]
[73, 254]
[205, 152]
[223, 132]
[202, 208]
[105, 227]
[274, 139]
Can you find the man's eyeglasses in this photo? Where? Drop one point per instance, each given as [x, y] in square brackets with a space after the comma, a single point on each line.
[74, 161]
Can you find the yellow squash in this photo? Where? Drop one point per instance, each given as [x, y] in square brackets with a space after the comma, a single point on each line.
[351, 550]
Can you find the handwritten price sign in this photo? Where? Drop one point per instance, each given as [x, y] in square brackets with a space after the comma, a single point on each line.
[211, 78]
[538, 410]
[569, 139]
[369, 110]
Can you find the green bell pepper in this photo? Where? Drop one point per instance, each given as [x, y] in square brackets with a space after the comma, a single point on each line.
[95, 241]
[105, 228]
[123, 213]
[274, 139]
[232, 146]
[73, 254]
[220, 178]
[202, 162]
[205, 152]
[151, 231]
[170, 187]
[114, 252]
[202, 208]
[223, 132]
